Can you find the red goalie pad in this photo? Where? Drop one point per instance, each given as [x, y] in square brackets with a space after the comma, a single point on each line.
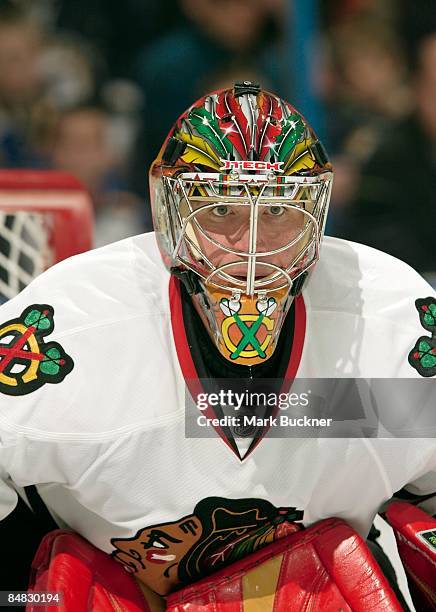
[326, 567]
[88, 578]
[415, 532]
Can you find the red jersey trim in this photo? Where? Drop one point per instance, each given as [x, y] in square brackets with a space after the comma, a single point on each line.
[188, 367]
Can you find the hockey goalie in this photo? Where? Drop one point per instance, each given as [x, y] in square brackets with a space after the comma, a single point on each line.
[137, 387]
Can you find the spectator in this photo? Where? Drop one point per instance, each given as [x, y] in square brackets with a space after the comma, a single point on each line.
[69, 69]
[117, 29]
[22, 107]
[365, 86]
[82, 145]
[394, 207]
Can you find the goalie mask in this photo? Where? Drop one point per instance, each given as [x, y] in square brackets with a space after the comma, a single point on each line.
[239, 192]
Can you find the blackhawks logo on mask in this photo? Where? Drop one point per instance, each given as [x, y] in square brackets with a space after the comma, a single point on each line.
[423, 355]
[26, 361]
[247, 335]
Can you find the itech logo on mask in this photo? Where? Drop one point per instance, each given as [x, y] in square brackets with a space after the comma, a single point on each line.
[251, 165]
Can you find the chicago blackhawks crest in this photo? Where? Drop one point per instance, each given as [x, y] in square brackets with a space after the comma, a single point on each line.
[248, 334]
[26, 361]
[423, 355]
[219, 532]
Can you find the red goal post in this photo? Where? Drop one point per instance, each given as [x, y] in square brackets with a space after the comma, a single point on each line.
[45, 217]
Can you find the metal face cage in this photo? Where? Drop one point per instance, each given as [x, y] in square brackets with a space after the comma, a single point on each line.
[269, 233]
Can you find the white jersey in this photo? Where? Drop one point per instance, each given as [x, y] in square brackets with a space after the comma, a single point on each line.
[92, 410]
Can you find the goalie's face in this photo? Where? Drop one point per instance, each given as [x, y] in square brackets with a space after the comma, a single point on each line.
[227, 233]
[249, 234]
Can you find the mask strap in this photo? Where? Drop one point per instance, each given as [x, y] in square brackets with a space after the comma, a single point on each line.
[297, 285]
[189, 279]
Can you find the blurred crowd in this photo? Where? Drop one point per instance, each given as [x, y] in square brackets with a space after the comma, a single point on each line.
[92, 87]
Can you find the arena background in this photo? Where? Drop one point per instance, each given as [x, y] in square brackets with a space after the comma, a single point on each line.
[91, 87]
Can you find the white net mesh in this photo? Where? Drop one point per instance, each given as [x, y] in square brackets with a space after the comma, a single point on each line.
[24, 250]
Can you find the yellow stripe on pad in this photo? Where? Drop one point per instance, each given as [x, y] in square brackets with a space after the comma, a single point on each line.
[259, 586]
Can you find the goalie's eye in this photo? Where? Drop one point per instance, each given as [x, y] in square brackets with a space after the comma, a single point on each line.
[221, 211]
[276, 211]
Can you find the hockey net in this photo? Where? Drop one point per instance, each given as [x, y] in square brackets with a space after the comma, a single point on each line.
[45, 216]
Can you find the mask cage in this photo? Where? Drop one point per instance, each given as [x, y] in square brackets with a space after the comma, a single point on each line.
[177, 221]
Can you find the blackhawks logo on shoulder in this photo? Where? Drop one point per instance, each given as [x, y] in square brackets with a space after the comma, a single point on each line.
[26, 361]
[423, 355]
